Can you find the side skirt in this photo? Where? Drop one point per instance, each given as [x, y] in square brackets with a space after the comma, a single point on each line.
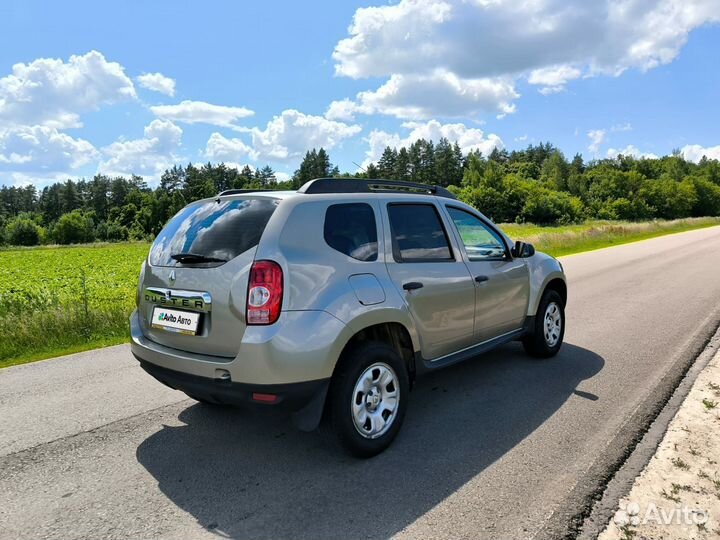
[470, 352]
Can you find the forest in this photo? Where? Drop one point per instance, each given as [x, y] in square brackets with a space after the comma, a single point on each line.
[535, 185]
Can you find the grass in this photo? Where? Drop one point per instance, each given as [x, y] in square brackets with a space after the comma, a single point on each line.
[709, 404]
[672, 496]
[47, 353]
[61, 300]
[568, 239]
[680, 464]
[627, 532]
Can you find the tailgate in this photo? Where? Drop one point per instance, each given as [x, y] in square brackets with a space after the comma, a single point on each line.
[217, 294]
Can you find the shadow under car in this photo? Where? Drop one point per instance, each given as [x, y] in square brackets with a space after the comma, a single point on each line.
[253, 475]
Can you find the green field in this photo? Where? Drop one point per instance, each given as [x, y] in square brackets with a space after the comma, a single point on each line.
[65, 299]
[59, 300]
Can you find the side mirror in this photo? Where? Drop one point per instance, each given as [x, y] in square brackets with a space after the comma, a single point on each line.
[521, 250]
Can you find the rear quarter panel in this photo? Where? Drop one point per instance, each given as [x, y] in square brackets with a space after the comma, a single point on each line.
[317, 276]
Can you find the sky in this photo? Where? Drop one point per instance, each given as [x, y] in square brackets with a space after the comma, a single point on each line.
[134, 87]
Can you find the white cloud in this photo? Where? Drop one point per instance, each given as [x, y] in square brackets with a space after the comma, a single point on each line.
[200, 112]
[605, 36]
[39, 179]
[157, 82]
[344, 109]
[597, 138]
[441, 93]
[164, 132]
[548, 41]
[552, 79]
[288, 136]
[42, 149]
[50, 92]
[553, 75]
[285, 138]
[220, 148]
[695, 152]
[630, 150]
[467, 138]
[549, 90]
[148, 156]
[420, 97]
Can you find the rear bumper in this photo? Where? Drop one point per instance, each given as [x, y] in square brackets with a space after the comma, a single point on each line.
[293, 396]
[266, 364]
[302, 346]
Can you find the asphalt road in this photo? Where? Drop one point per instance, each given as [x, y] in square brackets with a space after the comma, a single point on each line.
[500, 446]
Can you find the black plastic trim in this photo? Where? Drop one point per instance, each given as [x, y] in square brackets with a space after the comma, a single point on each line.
[241, 191]
[294, 396]
[354, 185]
[472, 351]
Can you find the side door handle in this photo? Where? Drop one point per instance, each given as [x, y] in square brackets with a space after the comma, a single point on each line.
[412, 285]
[481, 279]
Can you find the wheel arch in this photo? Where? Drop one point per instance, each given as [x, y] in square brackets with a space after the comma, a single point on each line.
[558, 285]
[382, 324]
[393, 333]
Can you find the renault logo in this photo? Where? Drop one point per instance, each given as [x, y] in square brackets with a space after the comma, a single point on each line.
[172, 276]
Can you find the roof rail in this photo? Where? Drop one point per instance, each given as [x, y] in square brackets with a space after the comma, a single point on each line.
[354, 185]
[239, 191]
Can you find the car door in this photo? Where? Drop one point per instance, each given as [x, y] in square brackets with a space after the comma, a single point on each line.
[502, 285]
[430, 274]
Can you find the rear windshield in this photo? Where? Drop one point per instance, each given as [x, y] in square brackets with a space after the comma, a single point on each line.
[219, 231]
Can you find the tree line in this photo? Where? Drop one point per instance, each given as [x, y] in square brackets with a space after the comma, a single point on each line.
[537, 185]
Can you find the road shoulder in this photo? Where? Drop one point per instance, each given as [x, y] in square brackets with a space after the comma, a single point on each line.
[677, 495]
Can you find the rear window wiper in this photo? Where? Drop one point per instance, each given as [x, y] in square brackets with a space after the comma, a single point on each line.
[194, 258]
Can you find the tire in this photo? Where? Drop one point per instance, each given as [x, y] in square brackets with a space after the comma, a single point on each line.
[370, 379]
[545, 341]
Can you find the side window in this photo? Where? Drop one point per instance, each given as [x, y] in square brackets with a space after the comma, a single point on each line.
[351, 229]
[481, 242]
[418, 234]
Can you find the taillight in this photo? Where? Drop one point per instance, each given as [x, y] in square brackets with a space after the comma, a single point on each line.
[265, 290]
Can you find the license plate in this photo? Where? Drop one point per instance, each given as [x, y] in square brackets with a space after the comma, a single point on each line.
[184, 322]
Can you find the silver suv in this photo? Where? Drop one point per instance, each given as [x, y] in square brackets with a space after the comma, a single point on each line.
[331, 300]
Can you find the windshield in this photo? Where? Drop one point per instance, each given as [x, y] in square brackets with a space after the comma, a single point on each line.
[209, 233]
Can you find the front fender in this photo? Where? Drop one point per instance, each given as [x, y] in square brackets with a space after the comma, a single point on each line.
[542, 269]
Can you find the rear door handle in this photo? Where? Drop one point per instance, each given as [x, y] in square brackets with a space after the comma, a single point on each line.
[412, 285]
[481, 279]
